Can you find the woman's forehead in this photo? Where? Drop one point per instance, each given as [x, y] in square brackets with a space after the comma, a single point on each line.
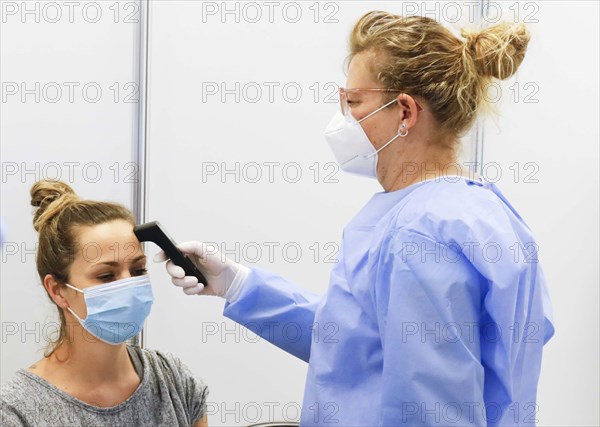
[112, 241]
[113, 230]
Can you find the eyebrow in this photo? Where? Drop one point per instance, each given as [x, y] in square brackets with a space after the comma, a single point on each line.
[115, 263]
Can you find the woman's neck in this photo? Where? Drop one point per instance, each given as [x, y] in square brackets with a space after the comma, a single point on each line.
[411, 163]
[91, 361]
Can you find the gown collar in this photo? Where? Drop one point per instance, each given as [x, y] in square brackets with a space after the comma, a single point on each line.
[382, 202]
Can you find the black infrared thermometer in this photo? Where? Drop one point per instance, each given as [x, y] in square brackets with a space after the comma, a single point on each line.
[154, 232]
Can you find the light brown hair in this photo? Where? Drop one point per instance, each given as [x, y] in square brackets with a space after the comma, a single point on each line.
[59, 212]
[424, 58]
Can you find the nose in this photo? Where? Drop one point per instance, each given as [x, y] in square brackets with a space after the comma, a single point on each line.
[125, 274]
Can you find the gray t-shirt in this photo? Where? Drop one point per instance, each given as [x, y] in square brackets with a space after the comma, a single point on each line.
[167, 395]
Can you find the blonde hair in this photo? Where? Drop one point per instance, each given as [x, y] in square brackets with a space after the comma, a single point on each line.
[58, 211]
[425, 59]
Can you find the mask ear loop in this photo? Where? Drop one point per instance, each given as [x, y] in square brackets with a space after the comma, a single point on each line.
[379, 109]
[399, 134]
[69, 308]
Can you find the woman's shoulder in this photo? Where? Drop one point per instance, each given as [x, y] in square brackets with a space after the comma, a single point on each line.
[457, 195]
[158, 360]
[166, 365]
[162, 359]
[168, 369]
[19, 385]
[19, 397]
[457, 210]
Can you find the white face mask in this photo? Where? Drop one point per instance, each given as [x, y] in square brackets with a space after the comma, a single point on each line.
[351, 146]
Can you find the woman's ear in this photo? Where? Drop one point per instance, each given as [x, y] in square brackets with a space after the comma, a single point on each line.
[55, 291]
[408, 110]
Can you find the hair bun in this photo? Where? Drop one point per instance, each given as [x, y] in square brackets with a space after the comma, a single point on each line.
[49, 197]
[471, 37]
[499, 50]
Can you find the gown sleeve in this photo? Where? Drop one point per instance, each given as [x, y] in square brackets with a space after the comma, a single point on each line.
[277, 310]
[462, 334]
[427, 310]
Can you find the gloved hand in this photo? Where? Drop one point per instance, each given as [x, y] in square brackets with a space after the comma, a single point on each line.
[225, 277]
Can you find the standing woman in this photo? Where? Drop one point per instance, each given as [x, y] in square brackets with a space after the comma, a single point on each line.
[437, 310]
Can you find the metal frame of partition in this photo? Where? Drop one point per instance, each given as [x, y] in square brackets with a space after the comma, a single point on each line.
[140, 137]
[479, 128]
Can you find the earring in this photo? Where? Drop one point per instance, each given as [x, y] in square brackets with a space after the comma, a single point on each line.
[403, 130]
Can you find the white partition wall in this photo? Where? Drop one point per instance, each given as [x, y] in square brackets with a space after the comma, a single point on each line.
[69, 93]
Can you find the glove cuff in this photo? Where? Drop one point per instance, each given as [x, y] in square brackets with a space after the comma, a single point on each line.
[235, 289]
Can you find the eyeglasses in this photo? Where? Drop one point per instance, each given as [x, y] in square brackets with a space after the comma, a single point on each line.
[344, 103]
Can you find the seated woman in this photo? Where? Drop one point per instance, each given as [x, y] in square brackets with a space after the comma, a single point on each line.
[94, 271]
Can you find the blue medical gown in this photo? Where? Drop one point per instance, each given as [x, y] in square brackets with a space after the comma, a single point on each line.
[436, 313]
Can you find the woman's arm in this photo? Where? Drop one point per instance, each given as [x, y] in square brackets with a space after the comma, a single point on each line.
[428, 301]
[202, 422]
[462, 333]
[277, 310]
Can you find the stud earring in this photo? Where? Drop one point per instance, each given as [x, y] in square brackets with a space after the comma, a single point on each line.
[403, 132]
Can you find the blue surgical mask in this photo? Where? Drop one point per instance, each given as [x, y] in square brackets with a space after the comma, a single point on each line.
[116, 311]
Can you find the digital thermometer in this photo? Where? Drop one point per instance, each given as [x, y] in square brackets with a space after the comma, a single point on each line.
[154, 232]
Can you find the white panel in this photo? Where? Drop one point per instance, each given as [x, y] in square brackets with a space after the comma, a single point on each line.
[201, 59]
[83, 137]
[545, 145]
